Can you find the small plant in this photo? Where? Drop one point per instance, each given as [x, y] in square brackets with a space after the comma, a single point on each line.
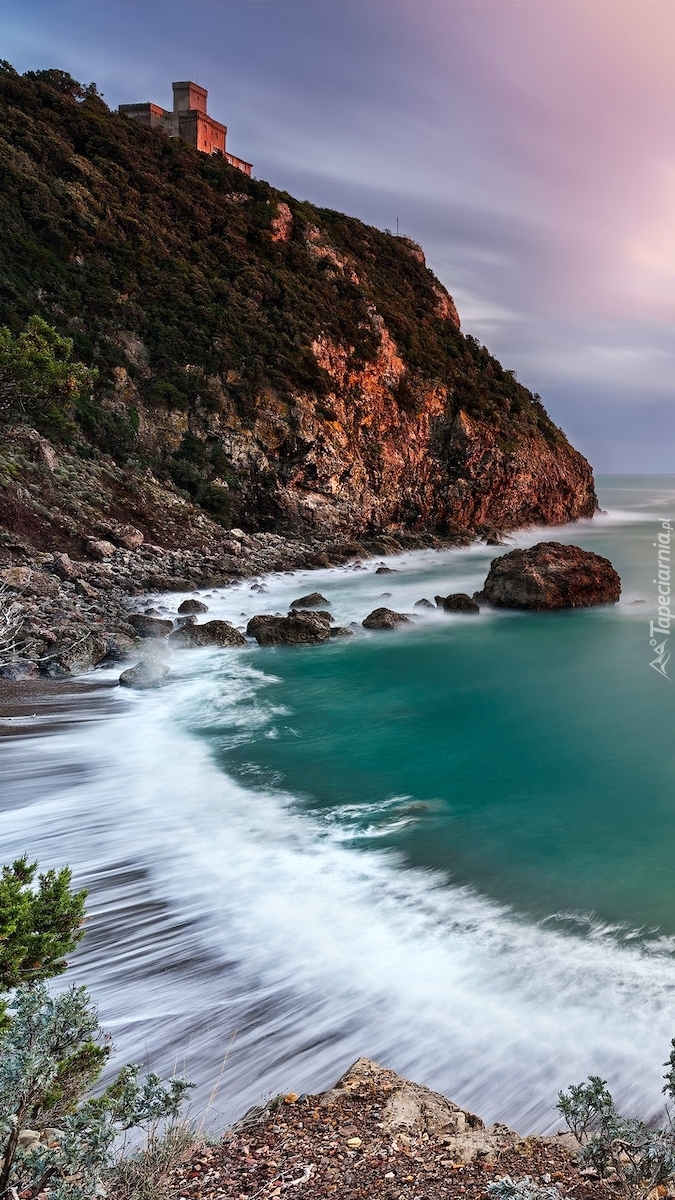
[507, 1188]
[638, 1156]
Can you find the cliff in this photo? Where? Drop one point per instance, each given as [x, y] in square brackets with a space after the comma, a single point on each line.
[280, 366]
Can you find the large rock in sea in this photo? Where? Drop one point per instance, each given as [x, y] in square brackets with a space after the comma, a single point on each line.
[551, 575]
[385, 618]
[298, 628]
[211, 633]
[457, 602]
[313, 600]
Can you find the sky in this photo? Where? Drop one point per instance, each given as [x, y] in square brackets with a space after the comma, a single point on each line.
[529, 145]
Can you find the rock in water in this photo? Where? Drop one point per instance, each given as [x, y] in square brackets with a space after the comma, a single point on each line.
[298, 628]
[211, 633]
[150, 627]
[385, 618]
[457, 602]
[193, 606]
[150, 673]
[314, 600]
[549, 576]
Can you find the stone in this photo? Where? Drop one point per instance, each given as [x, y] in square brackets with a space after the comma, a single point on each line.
[130, 538]
[188, 619]
[193, 606]
[150, 673]
[43, 586]
[16, 577]
[99, 549]
[385, 618]
[551, 576]
[74, 657]
[457, 602]
[313, 600]
[298, 628]
[340, 631]
[65, 568]
[386, 571]
[409, 1110]
[119, 645]
[150, 627]
[85, 589]
[424, 604]
[21, 668]
[211, 633]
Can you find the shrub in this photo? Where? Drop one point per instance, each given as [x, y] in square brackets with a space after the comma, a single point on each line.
[39, 924]
[38, 382]
[641, 1157]
[50, 1054]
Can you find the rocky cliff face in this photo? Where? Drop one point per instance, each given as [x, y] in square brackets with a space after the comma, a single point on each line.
[285, 367]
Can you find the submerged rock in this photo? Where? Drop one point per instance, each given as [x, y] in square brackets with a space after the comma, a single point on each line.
[340, 631]
[385, 618]
[457, 602]
[551, 575]
[211, 633]
[298, 628]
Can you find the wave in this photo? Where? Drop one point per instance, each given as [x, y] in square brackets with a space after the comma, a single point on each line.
[227, 922]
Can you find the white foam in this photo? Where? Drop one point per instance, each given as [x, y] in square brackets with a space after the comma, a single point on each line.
[221, 911]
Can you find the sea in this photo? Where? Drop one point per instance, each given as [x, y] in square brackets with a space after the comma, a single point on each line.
[450, 848]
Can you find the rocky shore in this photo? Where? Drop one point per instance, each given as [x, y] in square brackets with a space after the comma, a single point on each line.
[63, 615]
[374, 1134]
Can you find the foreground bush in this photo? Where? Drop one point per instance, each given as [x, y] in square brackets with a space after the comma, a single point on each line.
[633, 1155]
[53, 1133]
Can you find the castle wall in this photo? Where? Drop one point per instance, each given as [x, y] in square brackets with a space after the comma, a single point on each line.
[188, 121]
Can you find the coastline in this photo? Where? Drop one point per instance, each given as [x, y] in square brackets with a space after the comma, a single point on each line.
[73, 615]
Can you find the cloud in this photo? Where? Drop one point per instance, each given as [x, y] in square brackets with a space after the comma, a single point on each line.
[527, 144]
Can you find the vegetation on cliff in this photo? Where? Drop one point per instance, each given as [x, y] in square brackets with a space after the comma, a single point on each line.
[234, 329]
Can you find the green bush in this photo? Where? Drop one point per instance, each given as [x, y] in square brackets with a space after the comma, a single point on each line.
[638, 1156]
[38, 381]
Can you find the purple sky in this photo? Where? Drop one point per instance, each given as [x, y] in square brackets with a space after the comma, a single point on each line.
[528, 144]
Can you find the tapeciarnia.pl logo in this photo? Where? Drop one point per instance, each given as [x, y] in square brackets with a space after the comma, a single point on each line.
[660, 629]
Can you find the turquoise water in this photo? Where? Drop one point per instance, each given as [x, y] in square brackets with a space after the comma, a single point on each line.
[530, 756]
[448, 847]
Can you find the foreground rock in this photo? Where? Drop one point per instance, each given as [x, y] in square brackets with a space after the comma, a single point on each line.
[550, 576]
[457, 602]
[298, 628]
[385, 618]
[374, 1134]
[211, 633]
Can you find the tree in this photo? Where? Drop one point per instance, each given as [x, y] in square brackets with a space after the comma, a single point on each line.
[39, 923]
[38, 381]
